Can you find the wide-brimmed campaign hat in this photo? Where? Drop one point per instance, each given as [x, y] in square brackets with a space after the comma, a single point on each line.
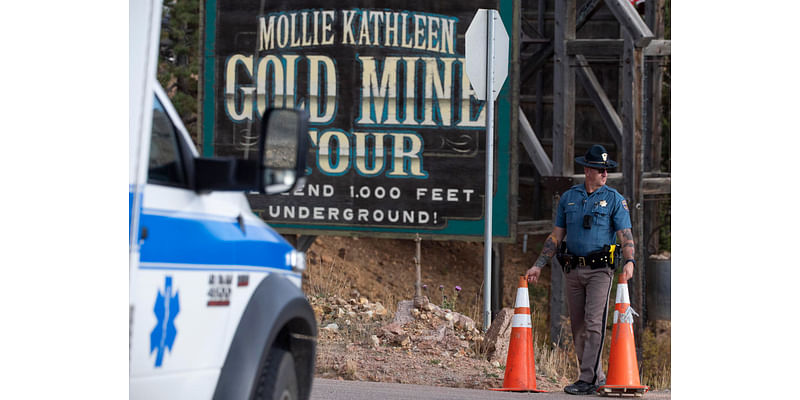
[596, 157]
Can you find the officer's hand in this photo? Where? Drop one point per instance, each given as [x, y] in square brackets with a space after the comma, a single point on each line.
[627, 271]
[532, 275]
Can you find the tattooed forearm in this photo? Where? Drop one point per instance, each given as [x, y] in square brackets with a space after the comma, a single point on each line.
[628, 247]
[627, 235]
[548, 251]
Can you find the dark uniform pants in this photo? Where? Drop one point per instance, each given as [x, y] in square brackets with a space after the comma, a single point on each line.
[587, 293]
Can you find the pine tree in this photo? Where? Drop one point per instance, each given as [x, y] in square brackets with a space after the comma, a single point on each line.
[178, 65]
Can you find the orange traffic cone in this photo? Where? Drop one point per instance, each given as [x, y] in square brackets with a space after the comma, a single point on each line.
[623, 372]
[520, 365]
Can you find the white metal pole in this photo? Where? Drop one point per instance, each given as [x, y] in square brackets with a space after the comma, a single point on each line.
[487, 231]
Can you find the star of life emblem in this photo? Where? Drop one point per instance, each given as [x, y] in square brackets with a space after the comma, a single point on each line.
[167, 306]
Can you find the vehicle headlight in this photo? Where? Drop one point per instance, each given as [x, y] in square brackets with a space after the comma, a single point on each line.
[297, 260]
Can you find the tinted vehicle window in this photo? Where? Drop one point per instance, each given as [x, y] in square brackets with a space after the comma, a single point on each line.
[165, 166]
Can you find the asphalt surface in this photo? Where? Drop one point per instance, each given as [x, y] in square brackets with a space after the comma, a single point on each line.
[330, 389]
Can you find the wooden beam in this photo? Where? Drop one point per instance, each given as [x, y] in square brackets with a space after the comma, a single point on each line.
[530, 98]
[652, 183]
[632, 78]
[658, 47]
[535, 62]
[563, 90]
[585, 12]
[656, 186]
[595, 47]
[534, 148]
[653, 81]
[614, 179]
[614, 47]
[541, 6]
[599, 98]
[651, 130]
[629, 18]
[542, 227]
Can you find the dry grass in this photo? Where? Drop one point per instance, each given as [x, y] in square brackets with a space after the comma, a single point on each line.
[320, 280]
[474, 308]
[558, 363]
[555, 361]
[656, 354]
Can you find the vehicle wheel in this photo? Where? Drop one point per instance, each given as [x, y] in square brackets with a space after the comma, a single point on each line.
[278, 380]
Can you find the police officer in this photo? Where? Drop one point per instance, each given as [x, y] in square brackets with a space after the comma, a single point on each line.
[589, 215]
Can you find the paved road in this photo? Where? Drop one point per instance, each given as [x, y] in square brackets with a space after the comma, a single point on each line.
[329, 389]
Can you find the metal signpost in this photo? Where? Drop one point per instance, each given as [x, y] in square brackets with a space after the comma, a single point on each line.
[487, 69]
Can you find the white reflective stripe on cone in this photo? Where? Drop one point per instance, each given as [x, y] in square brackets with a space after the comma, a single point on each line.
[622, 294]
[521, 321]
[522, 298]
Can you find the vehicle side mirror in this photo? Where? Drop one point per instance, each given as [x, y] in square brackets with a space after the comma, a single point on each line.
[283, 147]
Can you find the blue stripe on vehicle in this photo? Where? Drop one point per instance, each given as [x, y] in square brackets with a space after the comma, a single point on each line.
[177, 240]
[229, 268]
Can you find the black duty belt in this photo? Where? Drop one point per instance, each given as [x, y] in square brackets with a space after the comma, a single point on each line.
[596, 260]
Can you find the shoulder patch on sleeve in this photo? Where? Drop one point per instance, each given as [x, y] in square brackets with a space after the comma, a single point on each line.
[625, 204]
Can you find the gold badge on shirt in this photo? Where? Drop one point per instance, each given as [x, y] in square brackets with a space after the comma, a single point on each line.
[603, 203]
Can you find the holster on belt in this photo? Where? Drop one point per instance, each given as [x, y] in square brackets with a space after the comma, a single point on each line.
[564, 258]
[599, 259]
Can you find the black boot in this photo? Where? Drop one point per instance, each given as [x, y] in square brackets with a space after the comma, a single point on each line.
[581, 388]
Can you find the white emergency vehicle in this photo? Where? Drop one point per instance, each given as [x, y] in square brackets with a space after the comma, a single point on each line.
[216, 309]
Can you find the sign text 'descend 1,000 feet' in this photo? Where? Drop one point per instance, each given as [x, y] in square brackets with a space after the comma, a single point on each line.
[396, 134]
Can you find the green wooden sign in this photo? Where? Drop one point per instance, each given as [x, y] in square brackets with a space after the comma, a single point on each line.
[396, 133]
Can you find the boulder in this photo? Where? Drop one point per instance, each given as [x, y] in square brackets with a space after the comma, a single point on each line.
[393, 329]
[421, 301]
[463, 322]
[403, 314]
[380, 309]
[498, 336]
[435, 335]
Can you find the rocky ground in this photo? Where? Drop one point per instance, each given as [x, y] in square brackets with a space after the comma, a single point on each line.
[370, 329]
[426, 345]
[362, 293]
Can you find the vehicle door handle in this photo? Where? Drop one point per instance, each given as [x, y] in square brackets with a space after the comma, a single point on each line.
[143, 234]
